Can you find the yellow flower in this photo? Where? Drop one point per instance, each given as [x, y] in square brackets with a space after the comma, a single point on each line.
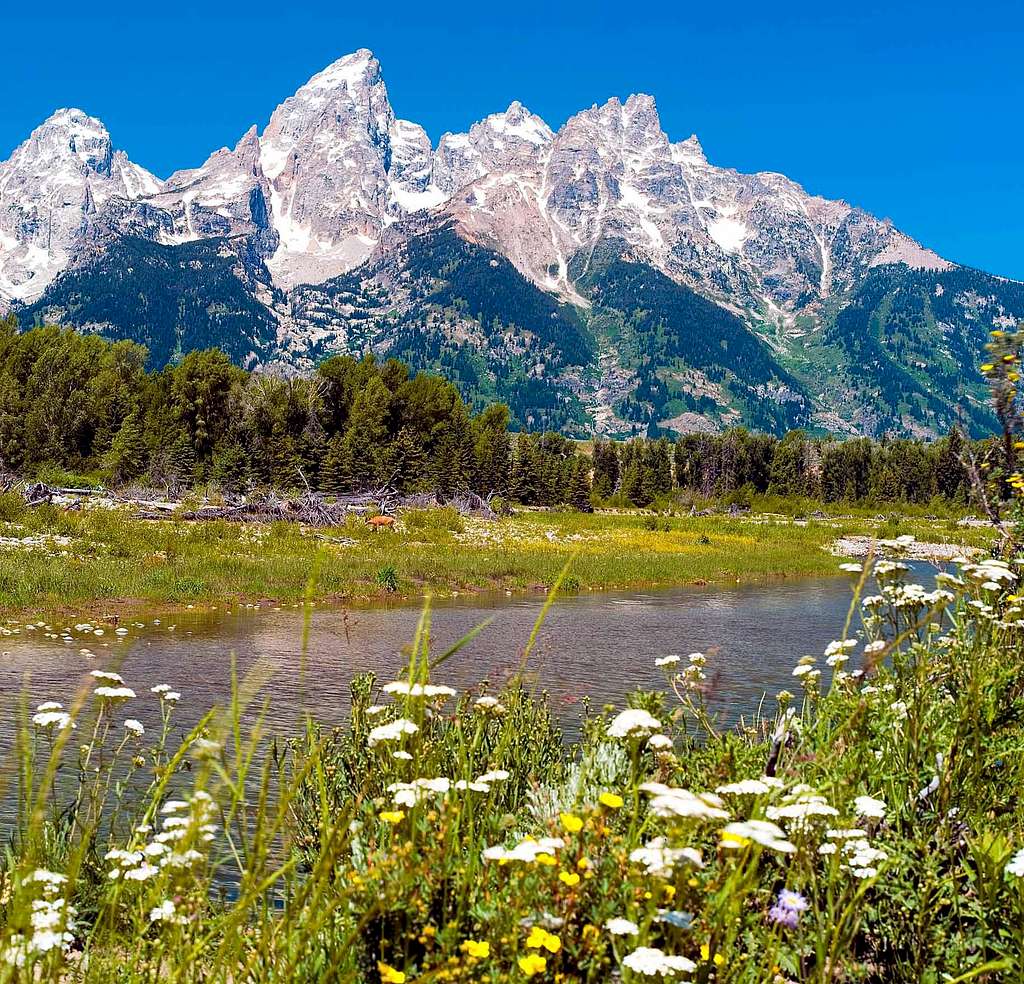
[547, 859]
[532, 964]
[987, 367]
[583, 864]
[569, 877]
[737, 839]
[572, 823]
[692, 882]
[476, 948]
[540, 937]
[388, 975]
[612, 800]
[393, 816]
[670, 891]
[705, 955]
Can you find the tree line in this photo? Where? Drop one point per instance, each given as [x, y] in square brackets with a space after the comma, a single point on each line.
[85, 405]
[739, 463]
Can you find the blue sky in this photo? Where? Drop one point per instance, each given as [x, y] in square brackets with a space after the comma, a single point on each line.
[911, 110]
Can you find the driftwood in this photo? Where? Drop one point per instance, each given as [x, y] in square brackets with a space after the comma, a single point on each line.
[310, 508]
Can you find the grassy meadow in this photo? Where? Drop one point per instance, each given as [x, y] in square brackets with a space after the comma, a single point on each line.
[868, 828]
[103, 560]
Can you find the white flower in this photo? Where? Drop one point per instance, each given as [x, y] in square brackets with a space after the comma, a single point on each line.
[489, 703]
[525, 851]
[402, 756]
[50, 719]
[392, 731]
[417, 689]
[633, 723]
[1015, 866]
[760, 832]
[143, 872]
[665, 661]
[374, 709]
[840, 646]
[135, 727]
[802, 669]
[653, 962]
[660, 743]
[851, 568]
[114, 693]
[868, 806]
[50, 705]
[106, 677]
[874, 647]
[622, 927]
[160, 688]
[745, 787]
[660, 859]
[495, 775]
[164, 911]
[171, 696]
[669, 801]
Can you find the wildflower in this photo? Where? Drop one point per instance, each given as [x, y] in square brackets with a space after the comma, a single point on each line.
[134, 727]
[532, 964]
[569, 878]
[852, 568]
[374, 709]
[142, 873]
[106, 677]
[159, 689]
[659, 743]
[171, 697]
[633, 723]
[666, 661]
[669, 801]
[622, 927]
[611, 800]
[392, 816]
[480, 949]
[495, 775]
[525, 851]
[787, 908]
[388, 974]
[417, 689]
[705, 955]
[486, 704]
[652, 962]
[1015, 866]
[540, 938]
[745, 787]
[50, 719]
[868, 806]
[114, 693]
[391, 731]
[402, 756]
[661, 859]
[546, 859]
[166, 911]
[572, 823]
[760, 832]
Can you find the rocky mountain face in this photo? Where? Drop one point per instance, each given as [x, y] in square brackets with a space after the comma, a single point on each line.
[600, 276]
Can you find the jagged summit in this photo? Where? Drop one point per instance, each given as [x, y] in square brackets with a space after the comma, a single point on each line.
[609, 271]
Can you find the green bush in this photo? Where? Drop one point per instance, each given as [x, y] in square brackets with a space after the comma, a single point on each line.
[12, 507]
[438, 519]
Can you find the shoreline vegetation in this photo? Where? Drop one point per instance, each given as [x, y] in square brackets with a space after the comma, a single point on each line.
[866, 826]
[106, 562]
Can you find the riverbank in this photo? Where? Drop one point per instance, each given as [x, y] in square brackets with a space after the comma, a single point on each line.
[107, 562]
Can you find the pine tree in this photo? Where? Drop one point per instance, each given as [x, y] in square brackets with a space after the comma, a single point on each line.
[128, 455]
[335, 476]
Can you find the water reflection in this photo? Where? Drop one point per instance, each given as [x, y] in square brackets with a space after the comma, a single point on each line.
[597, 645]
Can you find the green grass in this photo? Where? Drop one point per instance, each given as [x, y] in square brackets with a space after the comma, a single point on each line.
[111, 560]
[884, 846]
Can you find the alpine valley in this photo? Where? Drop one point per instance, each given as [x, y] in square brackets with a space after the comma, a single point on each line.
[600, 278]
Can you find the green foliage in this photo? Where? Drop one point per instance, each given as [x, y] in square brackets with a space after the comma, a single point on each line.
[387, 579]
[869, 829]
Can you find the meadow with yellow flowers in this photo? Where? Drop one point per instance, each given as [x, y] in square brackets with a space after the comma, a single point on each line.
[867, 826]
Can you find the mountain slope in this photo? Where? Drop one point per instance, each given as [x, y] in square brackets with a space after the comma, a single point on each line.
[597, 276]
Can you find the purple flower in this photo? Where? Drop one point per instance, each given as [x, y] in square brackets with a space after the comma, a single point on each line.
[787, 908]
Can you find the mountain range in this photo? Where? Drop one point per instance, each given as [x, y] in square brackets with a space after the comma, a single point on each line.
[598, 278]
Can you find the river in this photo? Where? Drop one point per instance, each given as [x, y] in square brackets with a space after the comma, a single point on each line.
[601, 645]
